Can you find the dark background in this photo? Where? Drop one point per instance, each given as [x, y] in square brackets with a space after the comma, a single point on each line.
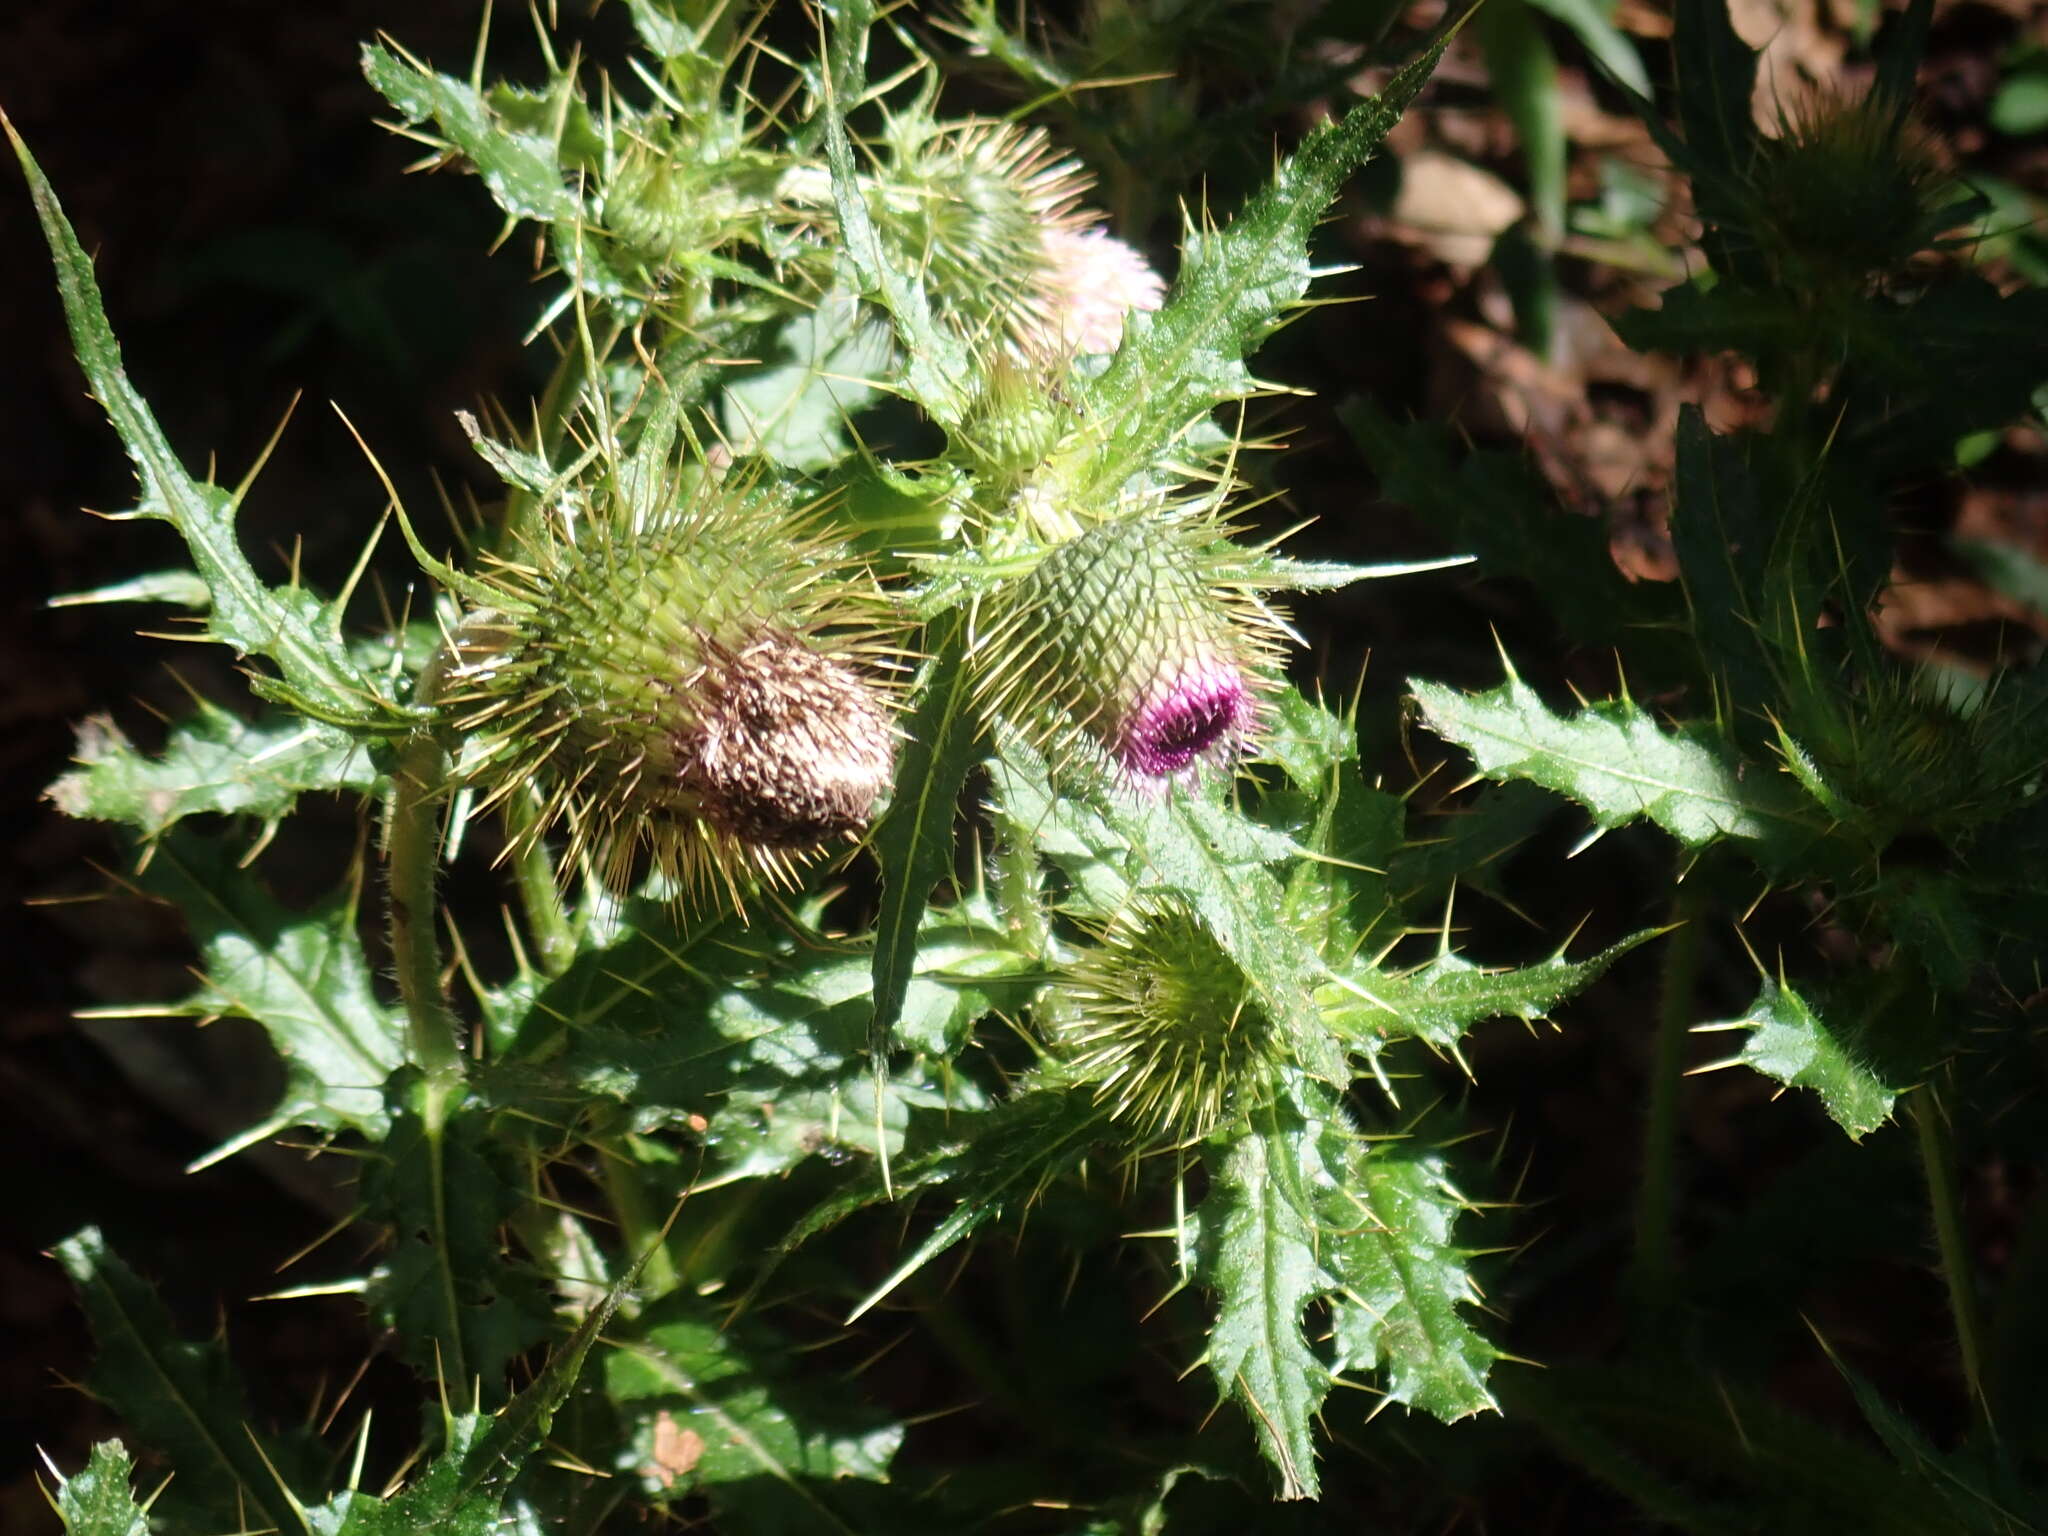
[255, 238]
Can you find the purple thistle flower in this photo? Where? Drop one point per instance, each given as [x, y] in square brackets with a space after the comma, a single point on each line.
[1201, 711]
[1129, 635]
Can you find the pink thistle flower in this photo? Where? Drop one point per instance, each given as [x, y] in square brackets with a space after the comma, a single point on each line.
[1089, 282]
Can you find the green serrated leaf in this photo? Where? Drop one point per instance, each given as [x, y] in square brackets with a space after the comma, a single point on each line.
[1234, 287]
[183, 1399]
[1789, 1042]
[287, 626]
[1302, 1207]
[1440, 1000]
[1258, 1248]
[1616, 761]
[97, 1501]
[815, 376]
[521, 171]
[914, 839]
[215, 762]
[1401, 1283]
[708, 1402]
[301, 975]
[461, 1309]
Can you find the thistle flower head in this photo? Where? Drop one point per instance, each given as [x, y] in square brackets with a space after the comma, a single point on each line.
[1089, 282]
[1131, 634]
[1849, 189]
[992, 216]
[694, 685]
[1163, 1026]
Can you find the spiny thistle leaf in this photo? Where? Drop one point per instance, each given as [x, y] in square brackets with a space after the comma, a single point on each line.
[1616, 761]
[285, 625]
[521, 171]
[1401, 1281]
[1440, 1000]
[97, 1501]
[914, 840]
[1258, 1248]
[301, 975]
[709, 1402]
[460, 1309]
[1301, 1207]
[183, 1399]
[215, 762]
[1234, 287]
[1788, 1041]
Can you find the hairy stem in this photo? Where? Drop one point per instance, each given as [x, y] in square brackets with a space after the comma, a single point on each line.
[1019, 886]
[540, 897]
[412, 859]
[1653, 1273]
[1944, 1200]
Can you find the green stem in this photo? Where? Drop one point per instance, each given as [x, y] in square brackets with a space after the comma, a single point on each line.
[412, 859]
[554, 936]
[1019, 886]
[1653, 1276]
[1944, 1199]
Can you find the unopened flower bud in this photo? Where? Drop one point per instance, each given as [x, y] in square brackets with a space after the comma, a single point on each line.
[1123, 635]
[1163, 1026]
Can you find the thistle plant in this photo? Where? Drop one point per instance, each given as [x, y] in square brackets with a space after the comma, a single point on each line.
[877, 700]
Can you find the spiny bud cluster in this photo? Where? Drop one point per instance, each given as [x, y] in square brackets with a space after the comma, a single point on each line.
[1850, 189]
[695, 685]
[1163, 1026]
[991, 217]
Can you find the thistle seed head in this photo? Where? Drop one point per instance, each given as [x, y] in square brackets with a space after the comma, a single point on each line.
[1164, 1027]
[693, 689]
[1130, 635]
[789, 749]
